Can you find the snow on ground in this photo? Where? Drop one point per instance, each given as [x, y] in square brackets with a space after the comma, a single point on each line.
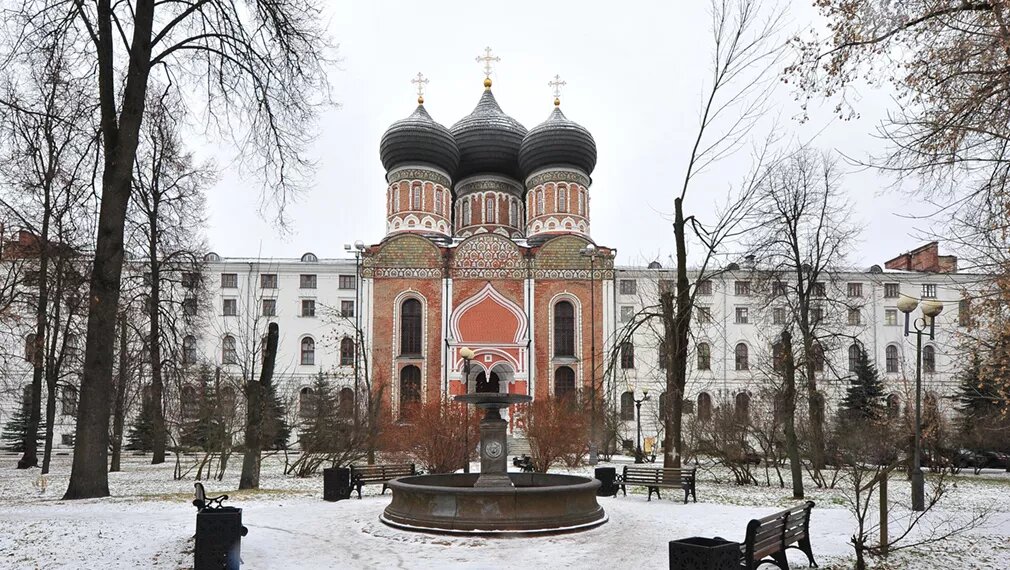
[149, 522]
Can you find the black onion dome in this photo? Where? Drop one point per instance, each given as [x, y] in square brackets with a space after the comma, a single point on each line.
[418, 139]
[488, 140]
[558, 142]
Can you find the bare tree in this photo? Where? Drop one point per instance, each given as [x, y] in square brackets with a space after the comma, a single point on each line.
[262, 62]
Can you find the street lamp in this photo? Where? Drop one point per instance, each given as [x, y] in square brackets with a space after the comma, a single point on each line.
[467, 355]
[358, 248]
[590, 252]
[638, 440]
[923, 325]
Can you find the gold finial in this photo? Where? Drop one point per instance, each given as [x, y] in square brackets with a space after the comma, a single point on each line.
[421, 82]
[557, 84]
[487, 58]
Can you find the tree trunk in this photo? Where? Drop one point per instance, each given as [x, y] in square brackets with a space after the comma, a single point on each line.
[789, 413]
[89, 476]
[158, 429]
[47, 452]
[814, 399]
[119, 407]
[681, 326]
[30, 457]
[256, 406]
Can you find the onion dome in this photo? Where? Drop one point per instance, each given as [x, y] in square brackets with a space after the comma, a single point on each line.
[558, 142]
[488, 140]
[418, 139]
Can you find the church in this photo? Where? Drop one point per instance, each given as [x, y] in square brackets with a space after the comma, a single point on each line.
[487, 247]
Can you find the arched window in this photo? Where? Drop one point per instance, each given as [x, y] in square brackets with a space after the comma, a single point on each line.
[415, 197]
[891, 358]
[30, 347]
[853, 357]
[627, 355]
[306, 402]
[514, 213]
[227, 396]
[818, 351]
[346, 351]
[396, 199]
[562, 198]
[582, 202]
[466, 212]
[893, 406]
[628, 405]
[704, 406]
[410, 389]
[438, 201]
[345, 408]
[229, 354]
[308, 351]
[742, 362]
[564, 329]
[778, 357]
[489, 210]
[741, 408]
[704, 356]
[540, 202]
[564, 383]
[929, 358]
[70, 400]
[410, 327]
[190, 406]
[188, 349]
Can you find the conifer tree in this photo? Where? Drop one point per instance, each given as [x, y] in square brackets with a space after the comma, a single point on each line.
[13, 436]
[864, 397]
[141, 436]
[320, 426]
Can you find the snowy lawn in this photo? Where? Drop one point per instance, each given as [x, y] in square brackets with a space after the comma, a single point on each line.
[149, 523]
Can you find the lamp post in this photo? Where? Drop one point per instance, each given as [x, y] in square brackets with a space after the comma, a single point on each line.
[590, 252]
[467, 355]
[638, 439]
[923, 325]
[358, 248]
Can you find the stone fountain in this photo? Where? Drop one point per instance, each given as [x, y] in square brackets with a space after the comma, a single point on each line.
[494, 501]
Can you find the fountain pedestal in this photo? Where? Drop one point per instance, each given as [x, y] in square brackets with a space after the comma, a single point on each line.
[493, 451]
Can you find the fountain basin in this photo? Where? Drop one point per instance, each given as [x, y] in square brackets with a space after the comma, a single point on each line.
[536, 503]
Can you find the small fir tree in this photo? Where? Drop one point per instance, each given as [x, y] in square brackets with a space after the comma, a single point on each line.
[320, 424]
[978, 395]
[13, 435]
[864, 397]
[141, 436]
[206, 429]
[276, 429]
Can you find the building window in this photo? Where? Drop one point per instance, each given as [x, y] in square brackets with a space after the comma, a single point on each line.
[308, 351]
[268, 280]
[189, 307]
[347, 282]
[742, 357]
[69, 400]
[929, 290]
[855, 317]
[190, 280]
[818, 357]
[779, 289]
[704, 407]
[564, 329]
[778, 357]
[229, 307]
[188, 349]
[489, 217]
[410, 390]
[627, 355]
[818, 289]
[513, 213]
[540, 202]
[562, 199]
[704, 315]
[704, 356]
[346, 351]
[466, 212]
[741, 288]
[929, 358]
[627, 313]
[628, 406]
[346, 308]
[742, 315]
[564, 383]
[229, 280]
[704, 287]
[891, 317]
[891, 358]
[308, 307]
[629, 287]
[816, 315]
[410, 327]
[855, 289]
[778, 316]
[582, 203]
[307, 281]
[415, 198]
[853, 357]
[741, 408]
[892, 290]
[438, 201]
[229, 354]
[345, 409]
[964, 313]
[269, 308]
[306, 402]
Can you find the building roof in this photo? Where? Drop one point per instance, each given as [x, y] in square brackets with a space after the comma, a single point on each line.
[488, 140]
[418, 139]
[558, 142]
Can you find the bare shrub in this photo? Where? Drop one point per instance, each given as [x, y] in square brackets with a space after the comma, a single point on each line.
[432, 433]
[557, 431]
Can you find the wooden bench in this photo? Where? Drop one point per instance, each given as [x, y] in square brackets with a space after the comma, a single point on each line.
[656, 478]
[202, 502]
[768, 538]
[374, 474]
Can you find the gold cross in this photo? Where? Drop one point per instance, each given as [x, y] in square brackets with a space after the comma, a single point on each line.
[557, 84]
[421, 82]
[487, 58]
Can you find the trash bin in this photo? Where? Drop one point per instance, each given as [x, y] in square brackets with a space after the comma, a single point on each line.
[704, 554]
[607, 477]
[219, 535]
[336, 483]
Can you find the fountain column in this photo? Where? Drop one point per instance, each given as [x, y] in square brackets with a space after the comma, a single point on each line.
[493, 450]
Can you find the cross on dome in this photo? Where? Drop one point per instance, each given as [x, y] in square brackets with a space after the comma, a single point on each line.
[420, 81]
[486, 59]
[557, 84]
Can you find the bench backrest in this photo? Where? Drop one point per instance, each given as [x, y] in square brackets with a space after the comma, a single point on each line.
[771, 534]
[200, 492]
[658, 475]
[381, 473]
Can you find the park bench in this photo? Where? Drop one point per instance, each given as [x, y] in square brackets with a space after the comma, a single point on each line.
[656, 478]
[374, 474]
[768, 538]
[524, 463]
[201, 501]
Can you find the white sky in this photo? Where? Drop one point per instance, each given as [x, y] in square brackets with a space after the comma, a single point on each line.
[635, 73]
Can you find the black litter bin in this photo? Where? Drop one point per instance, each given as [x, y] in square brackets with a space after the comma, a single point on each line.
[608, 478]
[704, 554]
[219, 535]
[336, 483]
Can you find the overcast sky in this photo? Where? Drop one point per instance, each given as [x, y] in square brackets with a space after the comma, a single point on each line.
[635, 73]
